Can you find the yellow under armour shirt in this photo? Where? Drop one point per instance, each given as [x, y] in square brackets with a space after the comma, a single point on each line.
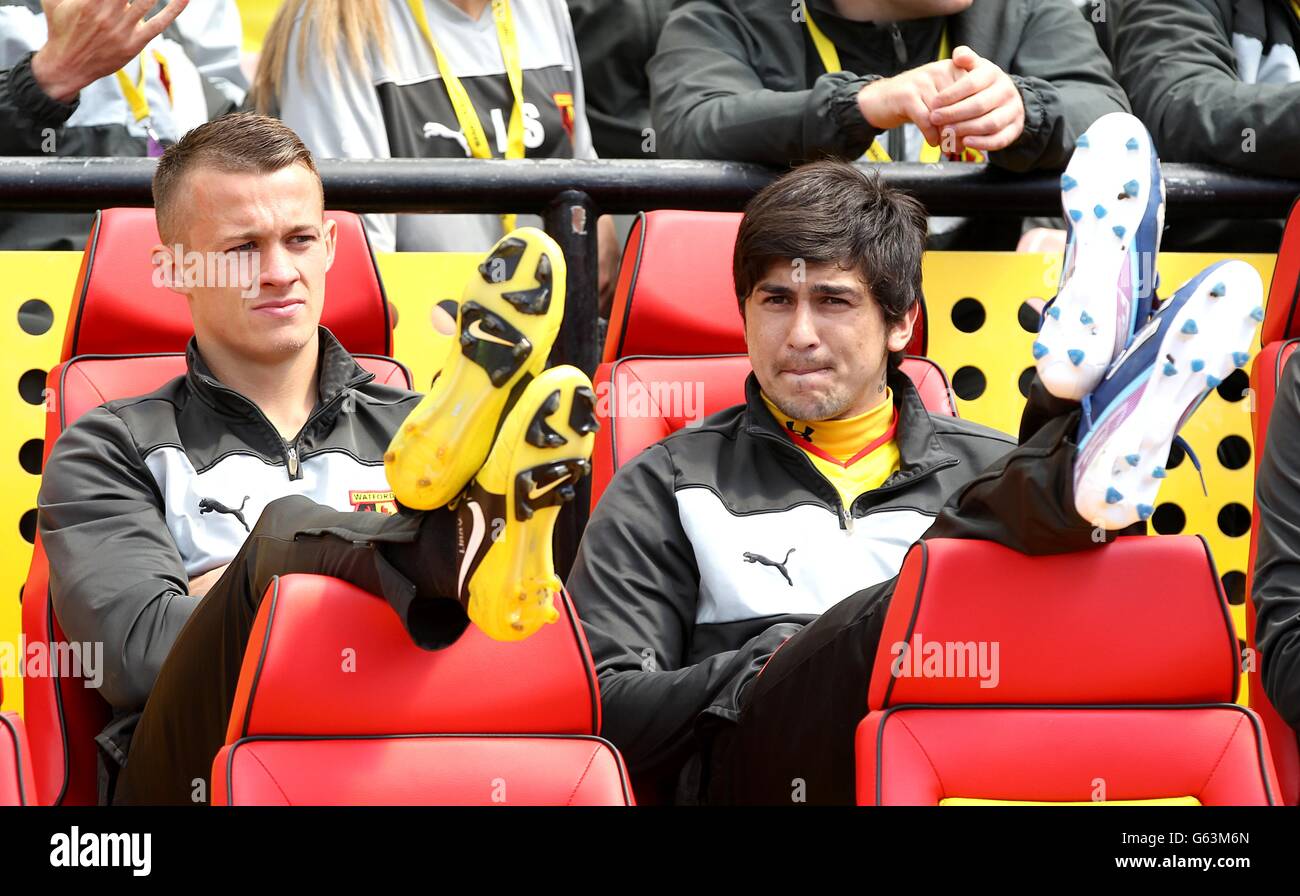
[856, 454]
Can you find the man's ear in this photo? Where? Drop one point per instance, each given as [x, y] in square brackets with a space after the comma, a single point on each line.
[167, 268]
[330, 234]
[900, 334]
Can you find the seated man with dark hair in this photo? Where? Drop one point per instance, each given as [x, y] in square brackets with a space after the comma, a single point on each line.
[783, 522]
[146, 503]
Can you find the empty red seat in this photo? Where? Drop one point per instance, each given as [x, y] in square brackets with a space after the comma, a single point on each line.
[337, 706]
[125, 336]
[987, 693]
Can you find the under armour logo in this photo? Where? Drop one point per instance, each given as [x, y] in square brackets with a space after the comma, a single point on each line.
[212, 505]
[807, 433]
[780, 567]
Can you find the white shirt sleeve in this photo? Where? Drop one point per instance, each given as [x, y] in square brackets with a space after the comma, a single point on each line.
[212, 36]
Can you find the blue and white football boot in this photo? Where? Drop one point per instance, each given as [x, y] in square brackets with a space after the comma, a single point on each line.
[1191, 344]
[1114, 202]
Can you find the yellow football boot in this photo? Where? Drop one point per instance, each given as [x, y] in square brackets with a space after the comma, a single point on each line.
[506, 520]
[508, 320]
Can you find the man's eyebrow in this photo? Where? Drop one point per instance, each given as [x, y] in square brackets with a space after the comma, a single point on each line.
[774, 287]
[835, 289]
[246, 235]
[242, 235]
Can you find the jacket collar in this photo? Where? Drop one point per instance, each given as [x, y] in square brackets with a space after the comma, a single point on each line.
[920, 449]
[337, 371]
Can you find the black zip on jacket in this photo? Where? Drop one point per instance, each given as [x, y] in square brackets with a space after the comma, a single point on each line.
[678, 620]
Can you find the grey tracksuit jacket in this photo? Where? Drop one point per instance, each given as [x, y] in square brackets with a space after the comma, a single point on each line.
[678, 622]
[741, 79]
[140, 495]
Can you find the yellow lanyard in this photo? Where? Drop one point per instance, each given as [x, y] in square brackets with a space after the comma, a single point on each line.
[466, 116]
[135, 97]
[830, 58]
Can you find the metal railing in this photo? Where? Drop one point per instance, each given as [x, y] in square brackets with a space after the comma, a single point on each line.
[570, 194]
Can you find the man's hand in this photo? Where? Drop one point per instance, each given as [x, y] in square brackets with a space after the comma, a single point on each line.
[608, 253]
[909, 96]
[200, 585]
[89, 39]
[983, 107]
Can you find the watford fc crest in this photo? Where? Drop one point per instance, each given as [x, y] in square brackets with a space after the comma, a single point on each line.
[375, 502]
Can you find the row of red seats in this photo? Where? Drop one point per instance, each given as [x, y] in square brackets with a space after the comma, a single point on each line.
[527, 715]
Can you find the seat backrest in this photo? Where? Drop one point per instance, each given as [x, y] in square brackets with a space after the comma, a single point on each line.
[1011, 693]
[1054, 632]
[118, 308]
[675, 293]
[640, 400]
[325, 644]
[124, 338]
[1282, 310]
[1265, 374]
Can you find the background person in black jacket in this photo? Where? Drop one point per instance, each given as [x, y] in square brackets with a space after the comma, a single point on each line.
[1017, 80]
[1217, 82]
[616, 38]
[745, 81]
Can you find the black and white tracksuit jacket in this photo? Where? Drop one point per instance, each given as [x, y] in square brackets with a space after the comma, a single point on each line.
[678, 619]
[142, 494]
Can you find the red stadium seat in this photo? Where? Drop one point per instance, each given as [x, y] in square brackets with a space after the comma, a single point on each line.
[111, 316]
[675, 331]
[136, 330]
[480, 723]
[17, 783]
[1066, 710]
[1279, 335]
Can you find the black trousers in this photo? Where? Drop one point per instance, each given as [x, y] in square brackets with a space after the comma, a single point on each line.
[794, 739]
[183, 724]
